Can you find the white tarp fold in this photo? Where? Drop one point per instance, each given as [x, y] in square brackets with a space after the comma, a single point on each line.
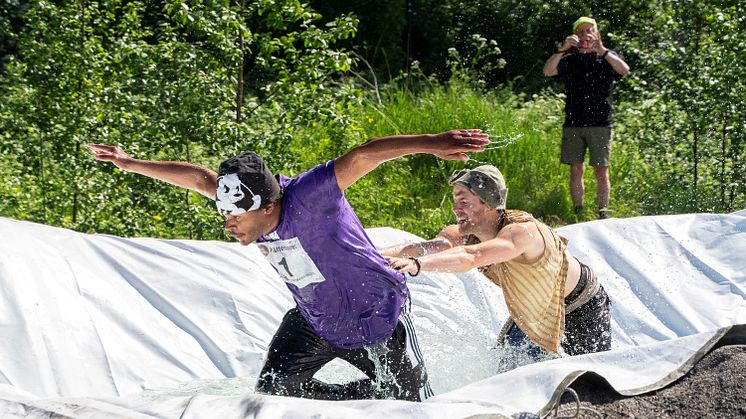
[102, 326]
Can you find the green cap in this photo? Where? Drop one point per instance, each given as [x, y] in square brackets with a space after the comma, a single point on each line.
[486, 182]
[584, 19]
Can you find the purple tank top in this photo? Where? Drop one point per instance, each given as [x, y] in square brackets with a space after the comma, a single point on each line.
[341, 284]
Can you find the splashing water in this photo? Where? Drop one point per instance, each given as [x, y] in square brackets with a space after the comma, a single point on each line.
[498, 141]
[516, 356]
[377, 354]
[502, 141]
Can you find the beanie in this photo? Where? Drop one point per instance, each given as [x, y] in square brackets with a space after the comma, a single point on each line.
[244, 184]
[486, 182]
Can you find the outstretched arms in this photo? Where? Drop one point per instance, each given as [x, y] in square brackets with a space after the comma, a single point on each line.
[446, 239]
[186, 175]
[449, 145]
[513, 241]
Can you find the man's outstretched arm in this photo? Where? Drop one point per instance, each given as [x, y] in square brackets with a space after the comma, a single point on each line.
[511, 242]
[186, 175]
[449, 145]
[446, 239]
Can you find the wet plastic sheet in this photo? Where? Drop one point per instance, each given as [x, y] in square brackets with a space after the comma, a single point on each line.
[102, 326]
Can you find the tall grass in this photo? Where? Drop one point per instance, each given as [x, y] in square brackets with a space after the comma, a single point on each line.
[412, 193]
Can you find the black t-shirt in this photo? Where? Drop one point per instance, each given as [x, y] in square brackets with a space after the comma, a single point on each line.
[589, 81]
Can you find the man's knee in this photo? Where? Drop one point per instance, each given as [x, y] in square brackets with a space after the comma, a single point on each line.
[601, 172]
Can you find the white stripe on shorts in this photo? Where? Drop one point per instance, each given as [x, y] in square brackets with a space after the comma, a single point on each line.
[413, 350]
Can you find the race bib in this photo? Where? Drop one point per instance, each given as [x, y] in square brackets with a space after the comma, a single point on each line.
[291, 261]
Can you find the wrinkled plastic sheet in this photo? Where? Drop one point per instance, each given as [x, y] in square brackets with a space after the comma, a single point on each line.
[103, 326]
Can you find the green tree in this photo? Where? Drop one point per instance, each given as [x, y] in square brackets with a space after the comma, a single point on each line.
[193, 81]
[689, 110]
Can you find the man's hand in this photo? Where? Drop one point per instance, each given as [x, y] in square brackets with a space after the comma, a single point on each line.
[112, 154]
[404, 265]
[597, 46]
[570, 42]
[455, 144]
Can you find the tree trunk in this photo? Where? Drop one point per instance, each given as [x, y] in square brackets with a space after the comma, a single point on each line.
[723, 158]
[240, 87]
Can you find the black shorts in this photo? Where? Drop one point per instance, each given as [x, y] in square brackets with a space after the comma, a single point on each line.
[296, 353]
[587, 329]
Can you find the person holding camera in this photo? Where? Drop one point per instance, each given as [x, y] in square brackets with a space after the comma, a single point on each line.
[589, 70]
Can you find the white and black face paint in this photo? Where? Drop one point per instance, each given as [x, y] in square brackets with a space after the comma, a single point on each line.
[233, 197]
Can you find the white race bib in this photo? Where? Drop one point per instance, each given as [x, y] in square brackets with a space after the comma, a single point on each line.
[291, 261]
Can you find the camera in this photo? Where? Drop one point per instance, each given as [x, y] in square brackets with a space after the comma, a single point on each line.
[585, 43]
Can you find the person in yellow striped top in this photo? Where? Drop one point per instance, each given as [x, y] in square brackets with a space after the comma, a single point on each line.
[555, 302]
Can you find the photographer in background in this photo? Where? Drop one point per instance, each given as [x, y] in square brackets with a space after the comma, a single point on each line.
[588, 70]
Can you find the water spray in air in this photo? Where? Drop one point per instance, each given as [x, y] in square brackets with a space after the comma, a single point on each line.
[499, 141]
[502, 141]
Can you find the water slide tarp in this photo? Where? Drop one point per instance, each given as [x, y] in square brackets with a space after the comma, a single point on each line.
[104, 326]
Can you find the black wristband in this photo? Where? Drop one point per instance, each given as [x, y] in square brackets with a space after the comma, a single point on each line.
[605, 53]
[416, 262]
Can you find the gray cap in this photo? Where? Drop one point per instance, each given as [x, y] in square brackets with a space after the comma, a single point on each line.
[486, 182]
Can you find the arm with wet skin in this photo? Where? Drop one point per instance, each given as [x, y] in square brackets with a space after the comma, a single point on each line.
[449, 145]
[183, 174]
[512, 241]
[446, 239]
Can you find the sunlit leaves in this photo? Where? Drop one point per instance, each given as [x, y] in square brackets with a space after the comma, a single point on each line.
[161, 81]
[692, 65]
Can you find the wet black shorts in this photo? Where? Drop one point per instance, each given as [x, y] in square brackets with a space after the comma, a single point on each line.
[587, 329]
[296, 353]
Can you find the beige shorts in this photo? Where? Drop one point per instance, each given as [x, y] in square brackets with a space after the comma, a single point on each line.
[576, 139]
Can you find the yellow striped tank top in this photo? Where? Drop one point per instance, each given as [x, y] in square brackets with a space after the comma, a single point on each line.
[534, 292]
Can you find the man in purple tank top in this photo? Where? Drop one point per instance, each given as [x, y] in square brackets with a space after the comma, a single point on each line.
[349, 303]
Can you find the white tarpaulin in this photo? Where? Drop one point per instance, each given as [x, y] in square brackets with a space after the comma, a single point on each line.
[102, 326]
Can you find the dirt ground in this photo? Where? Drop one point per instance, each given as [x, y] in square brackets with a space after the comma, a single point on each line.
[714, 388]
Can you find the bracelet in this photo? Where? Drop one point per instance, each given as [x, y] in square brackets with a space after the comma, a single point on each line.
[605, 54]
[416, 262]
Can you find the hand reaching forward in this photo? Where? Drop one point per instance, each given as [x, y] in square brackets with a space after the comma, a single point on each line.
[455, 144]
[404, 265]
[113, 154]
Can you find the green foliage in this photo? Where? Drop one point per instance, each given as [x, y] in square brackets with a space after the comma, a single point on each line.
[200, 81]
[162, 84]
[526, 31]
[685, 107]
